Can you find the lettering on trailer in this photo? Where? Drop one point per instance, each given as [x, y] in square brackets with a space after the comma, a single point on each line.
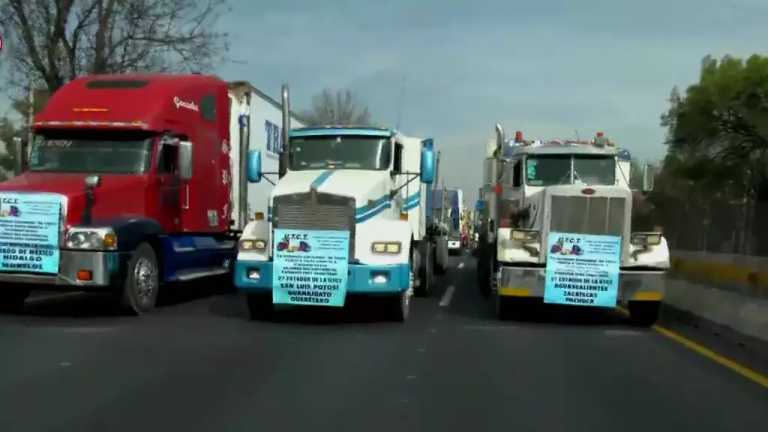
[310, 267]
[190, 105]
[29, 233]
[582, 269]
[274, 138]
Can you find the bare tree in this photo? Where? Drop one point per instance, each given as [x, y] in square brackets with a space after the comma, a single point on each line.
[337, 108]
[53, 41]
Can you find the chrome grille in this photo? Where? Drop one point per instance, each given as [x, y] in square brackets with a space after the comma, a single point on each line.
[588, 215]
[316, 211]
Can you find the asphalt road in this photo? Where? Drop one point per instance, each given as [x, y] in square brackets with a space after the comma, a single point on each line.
[197, 363]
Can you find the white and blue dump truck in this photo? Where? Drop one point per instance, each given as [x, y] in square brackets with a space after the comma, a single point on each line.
[345, 218]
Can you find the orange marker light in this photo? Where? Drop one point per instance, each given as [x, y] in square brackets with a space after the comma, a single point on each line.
[84, 275]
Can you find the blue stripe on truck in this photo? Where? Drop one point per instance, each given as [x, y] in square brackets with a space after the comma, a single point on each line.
[321, 179]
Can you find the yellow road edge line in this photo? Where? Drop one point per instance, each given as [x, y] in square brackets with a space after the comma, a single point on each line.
[744, 371]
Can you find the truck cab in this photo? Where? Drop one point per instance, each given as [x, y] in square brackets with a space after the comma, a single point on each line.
[355, 193]
[127, 186]
[534, 188]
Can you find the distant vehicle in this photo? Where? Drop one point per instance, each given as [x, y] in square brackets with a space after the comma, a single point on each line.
[534, 188]
[134, 180]
[361, 194]
[453, 209]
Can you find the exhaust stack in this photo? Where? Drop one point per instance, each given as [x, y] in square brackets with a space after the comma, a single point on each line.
[499, 138]
[286, 105]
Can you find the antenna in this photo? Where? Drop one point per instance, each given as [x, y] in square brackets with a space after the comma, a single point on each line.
[401, 97]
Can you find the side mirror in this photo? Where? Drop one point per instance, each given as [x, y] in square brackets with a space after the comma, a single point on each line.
[185, 160]
[254, 166]
[427, 165]
[649, 175]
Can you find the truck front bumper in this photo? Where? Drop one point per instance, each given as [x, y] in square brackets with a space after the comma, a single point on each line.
[634, 285]
[105, 270]
[256, 276]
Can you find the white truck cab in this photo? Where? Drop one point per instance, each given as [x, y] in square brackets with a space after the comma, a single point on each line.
[367, 184]
[534, 188]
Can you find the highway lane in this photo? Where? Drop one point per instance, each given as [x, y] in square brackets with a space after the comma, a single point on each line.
[198, 364]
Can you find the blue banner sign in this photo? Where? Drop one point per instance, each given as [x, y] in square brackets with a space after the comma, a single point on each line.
[310, 267]
[274, 138]
[29, 232]
[582, 269]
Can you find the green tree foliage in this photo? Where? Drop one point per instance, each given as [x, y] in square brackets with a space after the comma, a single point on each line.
[717, 165]
[339, 108]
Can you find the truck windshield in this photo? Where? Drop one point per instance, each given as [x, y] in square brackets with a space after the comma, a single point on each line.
[556, 170]
[340, 152]
[548, 170]
[595, 170]
[91, 154]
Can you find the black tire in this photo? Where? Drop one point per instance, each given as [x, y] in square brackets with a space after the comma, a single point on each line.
[142, 283]
[485, 269]
[399, 306]
[513, 308]
[503, 308]
[424, 289]
[644, 313]
[12, 298]
[437, 269]
[260, 307]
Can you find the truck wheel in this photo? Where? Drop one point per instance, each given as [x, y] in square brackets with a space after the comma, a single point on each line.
[12, 299]
[644, 313]
[437, 268]
[503, 307]
[142, 282]
[425, 273]
[485, 273]
[260, 307]
[399, 306]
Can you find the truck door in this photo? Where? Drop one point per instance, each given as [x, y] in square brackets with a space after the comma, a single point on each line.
[168, 185]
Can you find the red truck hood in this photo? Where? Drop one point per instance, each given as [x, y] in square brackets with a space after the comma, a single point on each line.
[117, 195]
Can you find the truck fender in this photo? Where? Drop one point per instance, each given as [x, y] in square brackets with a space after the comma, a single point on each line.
[132, 231]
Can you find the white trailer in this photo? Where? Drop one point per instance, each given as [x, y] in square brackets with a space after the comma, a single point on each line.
[255, 124]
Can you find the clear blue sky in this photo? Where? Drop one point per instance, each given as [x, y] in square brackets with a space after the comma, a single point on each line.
[547, 67]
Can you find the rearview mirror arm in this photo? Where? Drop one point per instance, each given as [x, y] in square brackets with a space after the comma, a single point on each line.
[395, 191]
[265, 174]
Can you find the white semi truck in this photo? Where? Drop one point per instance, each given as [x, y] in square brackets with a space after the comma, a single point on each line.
[346, 217]
[534, 188]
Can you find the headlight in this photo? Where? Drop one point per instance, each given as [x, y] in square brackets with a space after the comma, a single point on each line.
[525, 236]
[645, 239]
[386, 247]
[91, 239]
[249, 245]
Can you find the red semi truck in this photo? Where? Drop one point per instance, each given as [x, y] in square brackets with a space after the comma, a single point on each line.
[128, 186]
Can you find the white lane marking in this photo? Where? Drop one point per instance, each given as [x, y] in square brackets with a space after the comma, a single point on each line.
[461, 265]
[622, 333]
[489, 327]
[446, 300]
